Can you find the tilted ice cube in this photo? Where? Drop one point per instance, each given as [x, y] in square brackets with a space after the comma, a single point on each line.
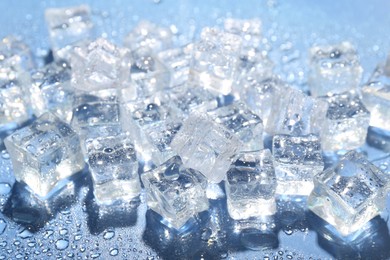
[44, 153]
[68, 26]
[376, 97]
[262, 94]
[297, 159]
[295, 113]
[175, 192]
[149, 74]
[100, 65]
[250, 185]
[206, 146]
[349, 194]
[346, 123]
[51, 90]
[215, 60]
[238, 119]
[334, 69]
[14, 52]
[146, 34]
[14, 103]
[114, 168]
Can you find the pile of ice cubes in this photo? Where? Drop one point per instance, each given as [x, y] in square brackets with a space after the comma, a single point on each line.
[177, 119]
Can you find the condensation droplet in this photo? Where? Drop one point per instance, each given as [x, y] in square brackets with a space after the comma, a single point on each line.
[62, 244]
[5, 188]
[108, 234]
[114, 252]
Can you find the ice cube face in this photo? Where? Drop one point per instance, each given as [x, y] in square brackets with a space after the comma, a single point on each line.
[376, 97]
[349, 194]
[149, 74]
[215, 60]
[175, 192]
[68, 26]
[295, 113]
[206, 146]
[246, 125]
[297, 160]
[152, 36]
[250, 185]
[100, 65]
[114, 168]
[44, 153]
[346, 123]
[51, 91]
[334, 69]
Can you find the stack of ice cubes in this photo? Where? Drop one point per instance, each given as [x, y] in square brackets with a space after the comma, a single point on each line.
[182, 118]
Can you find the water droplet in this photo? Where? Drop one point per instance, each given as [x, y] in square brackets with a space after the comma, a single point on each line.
[108, 234]
[4, 154]
[94, 255]
[62, 244]
[5, 188]
[114, 252]
[288, 231]
[63, 231]
[3, 225]
[25, 233]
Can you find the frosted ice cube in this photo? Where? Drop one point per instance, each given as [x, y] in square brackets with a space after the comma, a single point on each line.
[44, 153]
[250, 185]
[114, 168]
[297, 159]
[175, 192]
[238, 119]
[215, 60]
[346, 124]
[16, 53]
[14, 104]
[149, 74]
[100, 65]
[349, 194]
[376, 97]
[146, 34]
[68, 26]
[334, 69]
[51, 91]
[206, 146]
[262, 94]
[295, 113]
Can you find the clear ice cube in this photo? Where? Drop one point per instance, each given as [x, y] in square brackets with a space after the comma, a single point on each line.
[206, 146]
[51, 91]
[297, 160]
[349, 194]
[246, 125]
[175, 192]
[15, 53]
[68, 26]
[114, 168]
[250, 185]
[100, 65]
[293, 112]
[376, 97]
[346, 123]
[146, 34]
[215, 60]
[44, 153]
[334, 69]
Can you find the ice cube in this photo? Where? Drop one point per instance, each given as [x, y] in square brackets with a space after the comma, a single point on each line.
[295, 113]
[114, 168]
[44, 153]
[250, 185]
[146, 34]
[175, 192]
[215, 60]
[16, 53]
[246, 125]
[261, 94]
[376, 97]
[100, 65]
[206, 146]
[346, 124]
[297, 159]
[68, 26]
[349, 194]
[51, 91]
[149, 74]
[334, 69]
